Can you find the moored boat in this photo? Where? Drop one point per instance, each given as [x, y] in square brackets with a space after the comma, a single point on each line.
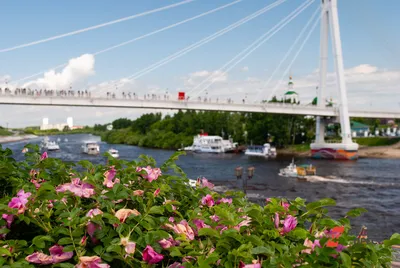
[90, 147]
[114, 153]
[203, 143]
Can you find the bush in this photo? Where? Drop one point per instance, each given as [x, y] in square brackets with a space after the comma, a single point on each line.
[377, 141]
[131, 214]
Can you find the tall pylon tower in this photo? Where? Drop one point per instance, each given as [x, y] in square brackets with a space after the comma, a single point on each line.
[347, 149]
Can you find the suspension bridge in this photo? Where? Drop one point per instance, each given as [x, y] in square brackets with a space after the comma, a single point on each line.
[325, 15]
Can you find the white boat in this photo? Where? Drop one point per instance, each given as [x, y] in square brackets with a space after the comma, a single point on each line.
[113, 152]
[289, 171]
[272, 152]
[90, 147]
[65, 140]
[211, 144]
[258, 150]
[49, 145]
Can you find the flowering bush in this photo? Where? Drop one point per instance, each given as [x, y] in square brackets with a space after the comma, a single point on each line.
[131, 214]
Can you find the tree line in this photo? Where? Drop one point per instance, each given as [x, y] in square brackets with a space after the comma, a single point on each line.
[175, 131]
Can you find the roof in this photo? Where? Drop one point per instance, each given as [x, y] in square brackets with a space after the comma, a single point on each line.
[291, 93]
[355, 124]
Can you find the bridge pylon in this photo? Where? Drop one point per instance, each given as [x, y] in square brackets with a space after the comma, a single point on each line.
[346, 149]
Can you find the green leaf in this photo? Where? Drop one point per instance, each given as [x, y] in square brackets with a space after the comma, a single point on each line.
[65, 241]
[69, 248]
[262, 250]
[356, 212]
[208, 232]
[175, 252]
[64, 265]
[346, 260]
[39, 242]
[156, 210]
[4, 251]
[299, 233]
[4, 231]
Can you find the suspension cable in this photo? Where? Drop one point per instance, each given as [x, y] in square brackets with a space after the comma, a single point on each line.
[137, 38]
[95, 26]
[295, 56]
[256, 44]
[302, 32]
[202, 42]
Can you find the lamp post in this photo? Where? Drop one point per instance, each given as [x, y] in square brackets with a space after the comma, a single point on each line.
[238, 174]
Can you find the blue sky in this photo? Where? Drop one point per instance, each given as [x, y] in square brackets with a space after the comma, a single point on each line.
[369, 33]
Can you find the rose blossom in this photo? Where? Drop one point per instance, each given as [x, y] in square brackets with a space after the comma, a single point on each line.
[124, 213]
[151, 256]
[91, 262]
[109, 178]
[78, 188]
[207, 200]
[56, 255]
[20, 201]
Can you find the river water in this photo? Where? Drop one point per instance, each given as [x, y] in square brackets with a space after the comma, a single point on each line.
[370, 183]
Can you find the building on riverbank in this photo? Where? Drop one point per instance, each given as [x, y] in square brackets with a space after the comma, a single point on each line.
[60, 126]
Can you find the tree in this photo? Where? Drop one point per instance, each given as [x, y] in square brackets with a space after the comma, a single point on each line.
[121, 123]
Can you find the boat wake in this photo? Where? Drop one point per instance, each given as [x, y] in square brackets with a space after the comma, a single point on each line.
[335, 179]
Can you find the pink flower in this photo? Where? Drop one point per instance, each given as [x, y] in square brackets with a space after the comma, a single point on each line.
[152, 173]
[268, 199]
[176, 265]
[83, 241]
[37, 183]
[9, 219]
[182, 228]
[78, 188]
[129, 246]
[310, 246]
[289, 224]
[276, 220]
[285, 205]
[138, 193]
[246, 222]
[188, 259]
[93, 212]
[91, 262]
[20, 201]
[205, 183]
[44, 156]
[254, 265]
[109, 176]
[171, 219]
[225, 200]
[91, 229]
[167, 243]
[150, 256]
[56, 255]
[207, 200]
[214, 218]
[156, 192]
[200, 224]
[124, 213]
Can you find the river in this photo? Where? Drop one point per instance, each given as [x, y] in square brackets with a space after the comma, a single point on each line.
[370, 183]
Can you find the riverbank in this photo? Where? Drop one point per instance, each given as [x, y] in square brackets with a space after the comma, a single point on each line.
[387, 151]
[7, 139]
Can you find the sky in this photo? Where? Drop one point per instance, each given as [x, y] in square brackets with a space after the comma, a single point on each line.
[371, 50]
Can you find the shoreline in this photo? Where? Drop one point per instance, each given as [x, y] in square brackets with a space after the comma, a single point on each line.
[8, 139]
[383, 152]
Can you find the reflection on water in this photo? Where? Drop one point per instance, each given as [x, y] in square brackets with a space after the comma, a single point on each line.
[370, 183]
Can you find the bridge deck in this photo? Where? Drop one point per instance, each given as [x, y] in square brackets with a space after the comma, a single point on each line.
[274, 108]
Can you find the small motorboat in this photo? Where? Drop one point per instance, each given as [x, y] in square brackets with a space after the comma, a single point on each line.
[91, 147]
[289, 171]
[65, 140]
[113, 152]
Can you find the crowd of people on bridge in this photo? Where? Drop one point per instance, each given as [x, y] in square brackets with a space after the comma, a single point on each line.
[87, 94]
[45, 92]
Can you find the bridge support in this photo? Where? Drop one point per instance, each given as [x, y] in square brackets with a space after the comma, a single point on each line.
[346, 149]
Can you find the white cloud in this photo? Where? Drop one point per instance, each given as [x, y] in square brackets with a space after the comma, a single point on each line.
[195, 78]
[74, 74]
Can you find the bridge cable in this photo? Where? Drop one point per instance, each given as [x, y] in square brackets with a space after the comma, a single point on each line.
[201, 42]
[295, 57]
[285, 57]
[136, 39]
[95, 26]
[265, 37]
